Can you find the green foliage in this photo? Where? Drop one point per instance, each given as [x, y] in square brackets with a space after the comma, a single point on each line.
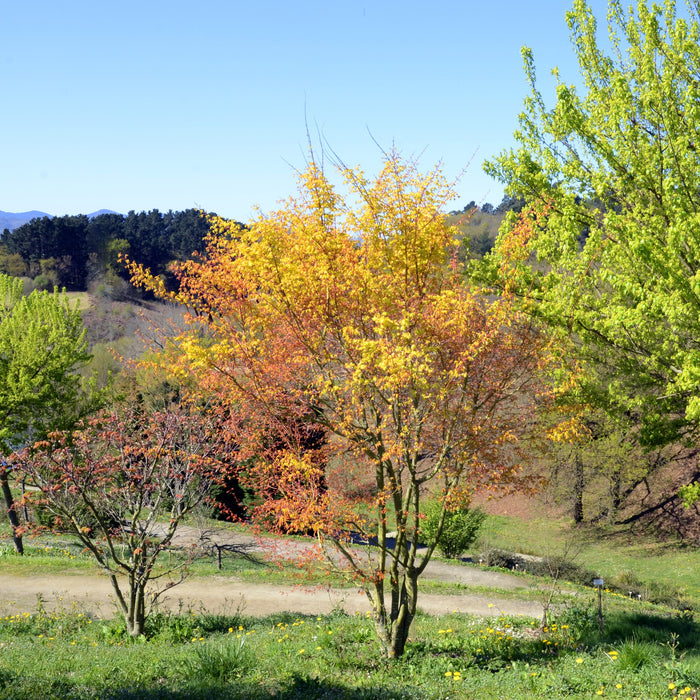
[42, 345]
[459, 529]
[594, 476]
[690, 494]
[12, 264]
[43, 283]
[635, 655]
[73, 251]
[611, 171]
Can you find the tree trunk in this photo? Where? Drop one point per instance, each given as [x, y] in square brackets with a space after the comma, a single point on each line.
[133, 609]
[393, 630]
[616, 492]
[579, 484]
[136, 620]
[406, 614]
[11, 512]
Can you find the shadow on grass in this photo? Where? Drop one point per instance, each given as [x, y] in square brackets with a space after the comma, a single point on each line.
[641, 627]
[297, 689]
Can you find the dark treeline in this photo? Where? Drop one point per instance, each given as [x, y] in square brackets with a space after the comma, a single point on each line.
[80, 253]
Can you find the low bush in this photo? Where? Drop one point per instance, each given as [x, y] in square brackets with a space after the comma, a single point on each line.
[459, 530]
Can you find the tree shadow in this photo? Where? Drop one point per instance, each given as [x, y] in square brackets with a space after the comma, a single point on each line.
[299, 688]
[642, 627]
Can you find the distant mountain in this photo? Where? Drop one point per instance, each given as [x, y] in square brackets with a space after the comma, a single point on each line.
[12, 220]
[99, 212]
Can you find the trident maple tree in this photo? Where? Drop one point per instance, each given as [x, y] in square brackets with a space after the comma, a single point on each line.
[349, 317]
[122, 485]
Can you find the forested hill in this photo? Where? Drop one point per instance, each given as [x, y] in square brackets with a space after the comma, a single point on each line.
[79, 252]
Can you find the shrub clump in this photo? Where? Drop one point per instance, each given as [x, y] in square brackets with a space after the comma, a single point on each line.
[459, 530]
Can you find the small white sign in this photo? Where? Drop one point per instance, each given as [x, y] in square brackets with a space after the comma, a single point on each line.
[597, 581]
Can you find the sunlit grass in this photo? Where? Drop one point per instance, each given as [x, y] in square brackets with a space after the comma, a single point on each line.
[83, 299]
[631, 560]
[66, 654]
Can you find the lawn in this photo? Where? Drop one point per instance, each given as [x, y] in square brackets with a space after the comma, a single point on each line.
[643, 654]
[646, 650]
[83, 299]
[629, 560]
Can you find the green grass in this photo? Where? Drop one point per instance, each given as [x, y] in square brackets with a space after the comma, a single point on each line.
[48, 556]
[67, 655]
[82, 298]
[627, 559]
[645, 648]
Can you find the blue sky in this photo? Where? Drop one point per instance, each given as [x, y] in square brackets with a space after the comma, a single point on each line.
[171, 104]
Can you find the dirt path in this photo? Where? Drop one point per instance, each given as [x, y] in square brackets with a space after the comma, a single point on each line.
[93, 592]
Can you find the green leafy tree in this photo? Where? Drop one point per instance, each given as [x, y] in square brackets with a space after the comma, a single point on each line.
[62, 239]
[42, 345]
[595, 474]
[482, 242]
[611, 177]
[12, 263]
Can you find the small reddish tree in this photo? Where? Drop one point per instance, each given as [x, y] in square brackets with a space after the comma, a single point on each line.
[353, 318]
[122, 484]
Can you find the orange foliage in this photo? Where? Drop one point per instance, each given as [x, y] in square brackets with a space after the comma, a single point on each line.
[350, 318]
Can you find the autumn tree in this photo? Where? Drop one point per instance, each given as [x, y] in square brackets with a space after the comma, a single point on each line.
[122, 484]
[42, 347]
[349, 316]
[611, 175]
